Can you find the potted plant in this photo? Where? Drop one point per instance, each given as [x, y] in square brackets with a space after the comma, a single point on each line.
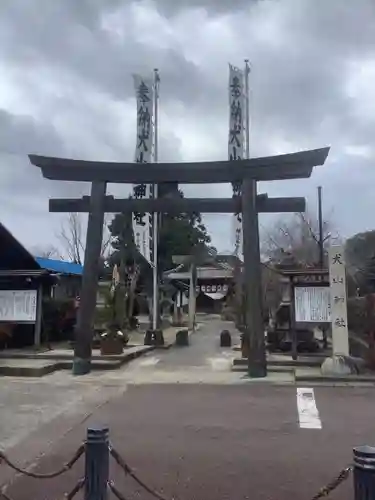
[113, 339]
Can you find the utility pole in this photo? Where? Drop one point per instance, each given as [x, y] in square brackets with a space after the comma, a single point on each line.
[321, 241]
[321, 238]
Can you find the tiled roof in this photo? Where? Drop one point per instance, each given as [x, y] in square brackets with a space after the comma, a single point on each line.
[60, 266]
[13, 255]
[202, 273]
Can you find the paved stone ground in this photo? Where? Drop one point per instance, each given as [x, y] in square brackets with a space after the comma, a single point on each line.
[210, 440]
[26, 404]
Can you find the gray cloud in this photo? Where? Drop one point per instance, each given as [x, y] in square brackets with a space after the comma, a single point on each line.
[79, 38]
[169, 8]
[66, 89]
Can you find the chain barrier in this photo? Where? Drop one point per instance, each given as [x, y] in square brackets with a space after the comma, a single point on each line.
[80, 484]
[128, 471]
[335, 483]
[323, 492]
[50, 475]
[115, 491]
[4, 496]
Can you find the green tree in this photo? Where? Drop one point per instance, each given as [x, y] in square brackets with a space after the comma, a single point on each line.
[181, 234]
[130, 263]
[122, 240]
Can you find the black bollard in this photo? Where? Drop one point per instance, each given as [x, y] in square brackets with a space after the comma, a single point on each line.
[364, 473]
[225, 339]
[182, 338]
[148, 337]
[159, 338]
[97, 464]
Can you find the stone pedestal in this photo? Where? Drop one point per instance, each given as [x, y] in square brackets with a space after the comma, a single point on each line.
[244, 346]
[81, 366]
[154, 337]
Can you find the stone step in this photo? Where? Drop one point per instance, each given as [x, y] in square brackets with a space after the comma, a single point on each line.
[27, 367]
[67, 354]
[38, 367]
[284, 361]
[270, 368]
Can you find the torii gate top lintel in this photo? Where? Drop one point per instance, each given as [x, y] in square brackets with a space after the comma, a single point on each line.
[280, 167]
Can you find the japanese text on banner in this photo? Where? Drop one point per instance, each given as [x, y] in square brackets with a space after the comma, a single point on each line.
[236, 136]
[143, 154]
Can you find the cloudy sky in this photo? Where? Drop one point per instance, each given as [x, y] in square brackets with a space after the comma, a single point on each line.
[66, 90]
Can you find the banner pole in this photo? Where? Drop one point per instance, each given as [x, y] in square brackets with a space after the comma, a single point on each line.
[155, 290]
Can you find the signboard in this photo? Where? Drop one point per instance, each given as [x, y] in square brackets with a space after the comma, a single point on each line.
[337, 277]
[311, 278]
[18, 305]
[212, 289]
[312, 304]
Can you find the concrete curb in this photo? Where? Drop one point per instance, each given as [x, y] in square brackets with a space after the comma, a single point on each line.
[335, 378]
[313, 363]
[63, 363]
[240, 365]
[49, 355]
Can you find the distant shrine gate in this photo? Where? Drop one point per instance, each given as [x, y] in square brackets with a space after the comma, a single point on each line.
[213, 283]
[243, 172]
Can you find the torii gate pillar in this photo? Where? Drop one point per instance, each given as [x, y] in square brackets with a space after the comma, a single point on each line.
[254, 328]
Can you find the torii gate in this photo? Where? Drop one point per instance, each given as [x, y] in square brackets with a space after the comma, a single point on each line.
[244, 172]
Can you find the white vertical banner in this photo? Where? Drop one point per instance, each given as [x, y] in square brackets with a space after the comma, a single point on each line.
[339, 312]
[236, 137]
[142, 223]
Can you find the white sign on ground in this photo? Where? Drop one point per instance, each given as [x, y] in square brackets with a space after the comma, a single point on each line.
[308, 414]
[18, 305]
[337, 279]
[312, 304]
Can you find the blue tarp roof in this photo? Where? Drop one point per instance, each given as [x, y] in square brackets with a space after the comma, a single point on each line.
[60, 266]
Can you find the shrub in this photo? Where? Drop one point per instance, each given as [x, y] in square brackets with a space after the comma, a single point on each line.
[59, 318]
[357, 314]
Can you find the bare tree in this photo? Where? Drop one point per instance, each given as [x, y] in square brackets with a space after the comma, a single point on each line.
[295, 238]
[271, 288]
[48, 252]
[72, 237]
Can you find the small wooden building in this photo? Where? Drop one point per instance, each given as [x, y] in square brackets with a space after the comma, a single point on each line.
[68, 274]
[213, 284]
